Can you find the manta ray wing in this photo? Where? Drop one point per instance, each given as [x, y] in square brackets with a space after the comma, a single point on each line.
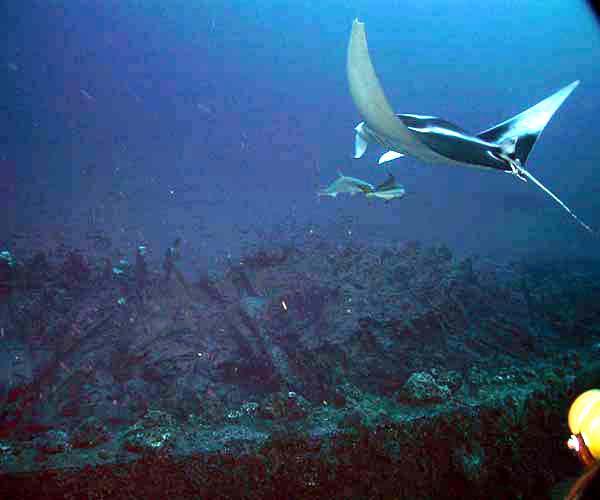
[528, 125]
[370, 99]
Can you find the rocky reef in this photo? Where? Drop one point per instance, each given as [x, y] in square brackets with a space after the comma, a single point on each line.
[320, 371]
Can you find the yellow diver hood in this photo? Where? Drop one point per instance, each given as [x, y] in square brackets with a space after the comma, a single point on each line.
[584, 423]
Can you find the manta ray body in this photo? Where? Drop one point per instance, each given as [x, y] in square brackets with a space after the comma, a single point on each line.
[504, 147]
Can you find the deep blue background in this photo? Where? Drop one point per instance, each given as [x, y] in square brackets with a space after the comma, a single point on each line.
[151, 120]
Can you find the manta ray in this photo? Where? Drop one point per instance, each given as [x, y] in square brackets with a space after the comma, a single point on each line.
[504, 147]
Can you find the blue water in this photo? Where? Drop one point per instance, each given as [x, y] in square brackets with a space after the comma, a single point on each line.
[148, 120]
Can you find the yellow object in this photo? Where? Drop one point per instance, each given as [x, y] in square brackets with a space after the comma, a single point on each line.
[584, 419]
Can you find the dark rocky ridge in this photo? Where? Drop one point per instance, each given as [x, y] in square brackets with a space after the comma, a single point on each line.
[400, 371]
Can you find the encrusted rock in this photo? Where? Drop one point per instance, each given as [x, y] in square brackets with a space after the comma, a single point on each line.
[471, 462]
[254, 307]
[52, 441]
[288, 405]
[146, 440]
[154, 432]
[450, 378]
[89, 434]
[421, 387]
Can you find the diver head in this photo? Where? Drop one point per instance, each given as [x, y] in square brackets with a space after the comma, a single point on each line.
[584, 423]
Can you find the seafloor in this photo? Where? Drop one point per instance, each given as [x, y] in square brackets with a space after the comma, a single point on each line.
[318, 371]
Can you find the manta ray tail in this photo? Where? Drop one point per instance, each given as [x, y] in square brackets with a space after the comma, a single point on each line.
[552, 195]
[518, 134]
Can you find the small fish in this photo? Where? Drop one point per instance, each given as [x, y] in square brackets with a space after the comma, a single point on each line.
[204, 108]
[388, 190]
[87, 95]
[99, 240]
[345, 184]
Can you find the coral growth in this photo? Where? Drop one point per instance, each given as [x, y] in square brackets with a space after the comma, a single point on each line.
[300, 370]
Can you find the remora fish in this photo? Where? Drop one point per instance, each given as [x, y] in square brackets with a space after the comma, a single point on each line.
[388, 190]
[345, 184]
[504, 147]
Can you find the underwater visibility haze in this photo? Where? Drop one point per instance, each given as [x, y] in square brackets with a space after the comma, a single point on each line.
[231, 265]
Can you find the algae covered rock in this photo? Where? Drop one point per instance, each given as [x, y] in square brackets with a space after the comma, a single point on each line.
[155, 432]
[254, 307]
[282, 405]
[146, 440]
[91, 433]
[470, 461]
[53, 441]
[421, 387]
